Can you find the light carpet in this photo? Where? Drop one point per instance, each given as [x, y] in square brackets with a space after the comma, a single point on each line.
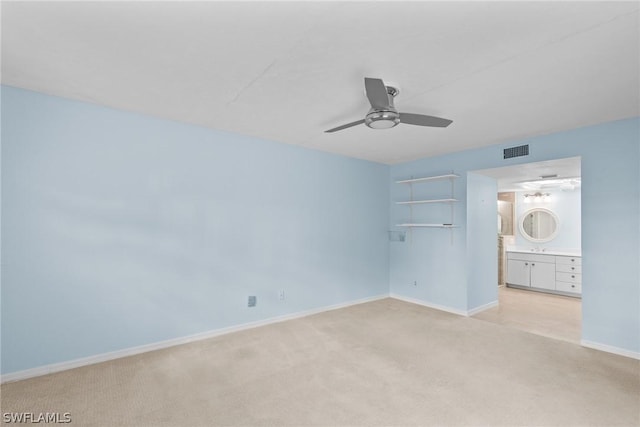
[383, 363]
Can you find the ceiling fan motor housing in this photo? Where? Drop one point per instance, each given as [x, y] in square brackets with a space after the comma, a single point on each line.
[384, 118]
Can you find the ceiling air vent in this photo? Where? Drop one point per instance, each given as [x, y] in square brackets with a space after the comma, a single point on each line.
[522, 150]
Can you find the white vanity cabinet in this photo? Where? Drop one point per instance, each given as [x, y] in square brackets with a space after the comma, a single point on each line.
[531, 270]
[545, 272]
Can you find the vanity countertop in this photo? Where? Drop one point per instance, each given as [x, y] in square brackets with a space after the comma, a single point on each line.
[546, 251]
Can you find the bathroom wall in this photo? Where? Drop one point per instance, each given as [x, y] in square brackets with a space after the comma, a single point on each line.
[567, 207]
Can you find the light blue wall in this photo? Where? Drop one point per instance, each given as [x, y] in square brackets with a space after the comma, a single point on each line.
[120, 229]
[567, 207]
[482, 241]
[610, 227]
[430, 264]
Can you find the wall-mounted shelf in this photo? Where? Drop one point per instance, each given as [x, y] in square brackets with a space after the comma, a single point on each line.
[416, 202]
[412, 202]
[428, 178]
[428, 225]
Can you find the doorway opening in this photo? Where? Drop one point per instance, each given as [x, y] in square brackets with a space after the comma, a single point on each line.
[539, 248]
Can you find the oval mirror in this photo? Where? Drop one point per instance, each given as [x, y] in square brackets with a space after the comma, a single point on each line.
[539, 225]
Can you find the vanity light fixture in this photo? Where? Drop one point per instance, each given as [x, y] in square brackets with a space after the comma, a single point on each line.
[537, 197]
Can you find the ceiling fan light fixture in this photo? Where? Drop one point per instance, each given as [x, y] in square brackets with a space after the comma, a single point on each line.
[382, 119]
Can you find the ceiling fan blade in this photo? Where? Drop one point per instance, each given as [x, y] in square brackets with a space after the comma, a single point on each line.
[348, 125]
[377, 93]
[422, 120]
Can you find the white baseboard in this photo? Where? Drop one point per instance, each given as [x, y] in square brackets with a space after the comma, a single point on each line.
[465, 313]
[482, 308]
[430, 305]
[98, 358]
[610, 349]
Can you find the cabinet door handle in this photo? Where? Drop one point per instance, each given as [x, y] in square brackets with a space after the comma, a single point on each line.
[573, 286]
[573, 277]
[573, 268]
[526, 263]
[532, 264]
[572, 260]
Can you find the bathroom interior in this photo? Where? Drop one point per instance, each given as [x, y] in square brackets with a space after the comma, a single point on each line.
[539, 248]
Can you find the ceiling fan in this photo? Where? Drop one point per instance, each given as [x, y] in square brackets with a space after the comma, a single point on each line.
[383, 115]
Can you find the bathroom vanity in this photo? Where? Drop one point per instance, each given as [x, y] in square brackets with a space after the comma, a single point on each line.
[543, 269]
[558, 272]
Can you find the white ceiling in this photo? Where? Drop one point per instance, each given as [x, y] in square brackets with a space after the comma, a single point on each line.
[287, 71]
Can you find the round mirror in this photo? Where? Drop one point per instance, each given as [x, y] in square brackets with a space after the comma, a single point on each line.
[539, 225]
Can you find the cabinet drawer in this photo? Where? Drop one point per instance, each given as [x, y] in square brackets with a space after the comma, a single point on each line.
[569, 287]
[568, 277]
[568, 268]
[571, 260]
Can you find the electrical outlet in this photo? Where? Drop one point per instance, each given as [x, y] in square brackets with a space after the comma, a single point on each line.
[281, 295]
[251, 302]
